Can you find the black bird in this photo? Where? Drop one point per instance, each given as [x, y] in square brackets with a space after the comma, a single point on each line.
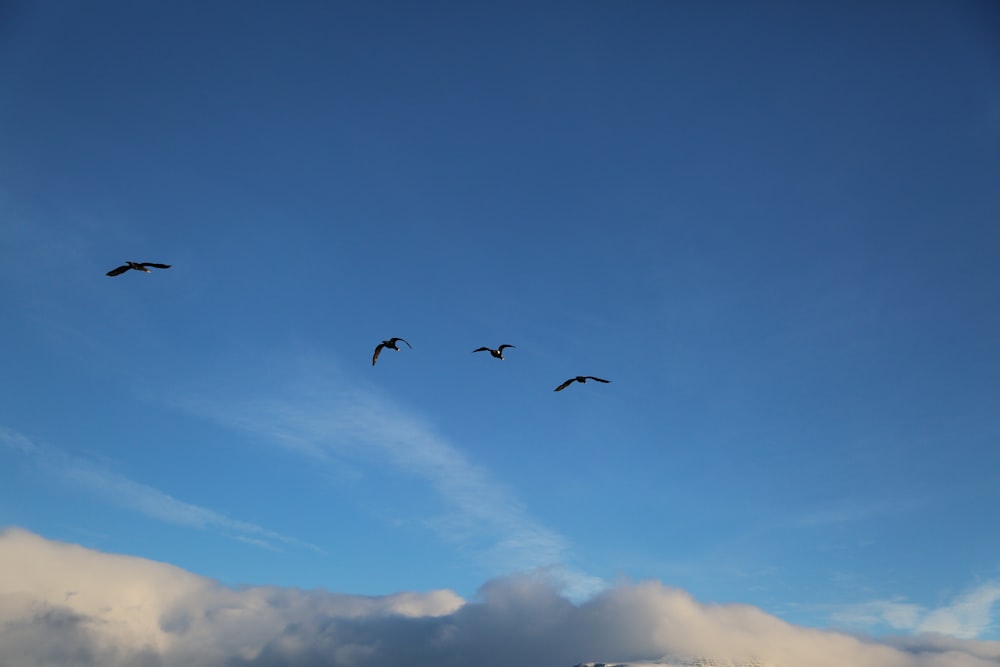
[138, 266]
[579, 378]
[496, 354]
[391, 344]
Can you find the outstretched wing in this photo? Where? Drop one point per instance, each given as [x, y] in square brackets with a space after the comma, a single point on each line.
[591, 377]
[407, 344]
[378, 351]
[505, 345]
[565, 384]
[155, 265]
[120, 270]
[482, 349]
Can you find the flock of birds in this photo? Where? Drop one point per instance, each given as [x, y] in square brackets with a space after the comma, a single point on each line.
[392, 343]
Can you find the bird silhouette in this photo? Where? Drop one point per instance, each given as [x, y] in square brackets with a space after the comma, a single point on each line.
[581, 379]
[496, 354]
[391, 344]
[138, 266]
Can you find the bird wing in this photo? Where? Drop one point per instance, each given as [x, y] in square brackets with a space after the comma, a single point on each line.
[501, 348]
[565, 384]
[482, 349]
[407, 344]
[378, 351]
[591, 377]
[120, 270]
[155, 265]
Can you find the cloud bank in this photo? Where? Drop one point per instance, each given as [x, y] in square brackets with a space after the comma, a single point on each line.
[62, 604]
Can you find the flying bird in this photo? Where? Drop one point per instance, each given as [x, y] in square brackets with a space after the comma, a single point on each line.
[138, 266]
[581, 379]
[391, 344]
[496, 354]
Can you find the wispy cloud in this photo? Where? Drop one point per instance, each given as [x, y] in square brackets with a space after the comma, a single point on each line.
[139, 497]
[967, 616]
[61, 604]
[970, 615]
[316, 418]
[849, 510]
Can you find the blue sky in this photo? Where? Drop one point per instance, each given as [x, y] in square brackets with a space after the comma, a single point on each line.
[773, 226]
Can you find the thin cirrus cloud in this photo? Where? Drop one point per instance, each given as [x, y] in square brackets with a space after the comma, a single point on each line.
[139, 497]
[62, 604]
[315, 418]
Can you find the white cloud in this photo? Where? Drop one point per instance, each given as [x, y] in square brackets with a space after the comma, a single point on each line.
[139, 497]
[968, 616]
[894, 613]
[62, 604]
